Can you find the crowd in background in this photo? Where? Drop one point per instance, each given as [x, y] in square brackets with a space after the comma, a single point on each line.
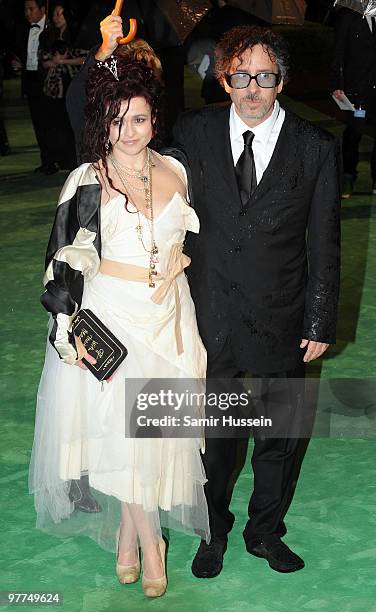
[47, 50]
[44, 52]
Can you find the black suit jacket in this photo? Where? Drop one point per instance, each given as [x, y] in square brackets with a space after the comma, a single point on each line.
[354, 58]
[267, 274]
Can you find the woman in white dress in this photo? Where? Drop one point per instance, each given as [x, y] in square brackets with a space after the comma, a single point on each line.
[116, 248]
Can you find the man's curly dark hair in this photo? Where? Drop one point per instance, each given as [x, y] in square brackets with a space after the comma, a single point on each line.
[241, 38]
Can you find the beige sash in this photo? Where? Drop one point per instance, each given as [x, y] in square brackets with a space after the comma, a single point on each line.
[177, 261]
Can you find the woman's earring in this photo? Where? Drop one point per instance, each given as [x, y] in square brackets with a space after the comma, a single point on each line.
[107, 147]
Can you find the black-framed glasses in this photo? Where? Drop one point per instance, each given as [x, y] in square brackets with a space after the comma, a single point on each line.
[241, 80]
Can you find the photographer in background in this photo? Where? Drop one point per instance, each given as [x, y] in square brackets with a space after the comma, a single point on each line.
[354, 75]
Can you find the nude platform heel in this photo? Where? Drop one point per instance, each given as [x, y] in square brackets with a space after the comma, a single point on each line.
[156, 587]
[127, 574]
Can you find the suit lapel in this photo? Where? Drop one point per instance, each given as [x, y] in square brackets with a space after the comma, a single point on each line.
[218, 137]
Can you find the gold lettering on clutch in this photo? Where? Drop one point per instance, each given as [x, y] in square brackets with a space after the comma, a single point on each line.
[108, 362]
[100, 353]
[87, 340]
[83, 333]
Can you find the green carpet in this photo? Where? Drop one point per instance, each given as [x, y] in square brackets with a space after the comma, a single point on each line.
[332, 521]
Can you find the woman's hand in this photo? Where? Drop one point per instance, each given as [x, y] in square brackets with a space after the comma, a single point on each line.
[59, 59]
[74, 61]
[338, 93]
[111, 30]
[82, 354]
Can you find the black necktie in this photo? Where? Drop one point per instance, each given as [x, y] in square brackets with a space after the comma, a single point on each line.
[245, 169]
[34, 25]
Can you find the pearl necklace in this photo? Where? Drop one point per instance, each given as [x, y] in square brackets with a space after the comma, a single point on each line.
[137, 174]
[133, 171]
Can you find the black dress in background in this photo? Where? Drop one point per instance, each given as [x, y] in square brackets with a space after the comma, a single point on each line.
[59, 131]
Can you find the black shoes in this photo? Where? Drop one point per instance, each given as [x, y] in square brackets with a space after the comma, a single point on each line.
[208, 561]
[47, 169]
[277, 554]
[80, 495]
[4, 149]
[347, 186]
[50, 169]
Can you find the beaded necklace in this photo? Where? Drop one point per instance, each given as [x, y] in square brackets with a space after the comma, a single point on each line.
[147, 189]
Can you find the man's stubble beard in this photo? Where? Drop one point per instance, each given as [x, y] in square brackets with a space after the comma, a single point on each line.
[259, 113]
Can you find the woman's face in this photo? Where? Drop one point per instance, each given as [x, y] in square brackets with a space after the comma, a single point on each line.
[135, 126]
[58, 17]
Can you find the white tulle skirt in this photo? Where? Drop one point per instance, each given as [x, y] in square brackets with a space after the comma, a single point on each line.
[79, 431]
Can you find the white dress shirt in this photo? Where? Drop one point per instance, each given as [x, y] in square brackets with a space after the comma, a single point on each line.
[33, 45]
[263, 144]
[371, 22]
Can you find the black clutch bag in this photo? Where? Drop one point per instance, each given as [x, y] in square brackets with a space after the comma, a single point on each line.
[100, 343]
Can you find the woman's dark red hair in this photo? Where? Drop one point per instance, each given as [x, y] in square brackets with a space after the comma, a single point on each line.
[105, 95]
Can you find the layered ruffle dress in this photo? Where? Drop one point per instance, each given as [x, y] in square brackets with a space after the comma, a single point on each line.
[80, 422]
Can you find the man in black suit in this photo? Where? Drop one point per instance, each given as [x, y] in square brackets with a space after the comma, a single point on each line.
[26, 49]
[354, 74]
[264, 275]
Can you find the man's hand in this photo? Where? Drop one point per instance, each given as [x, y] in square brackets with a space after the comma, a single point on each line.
[111, 30]
[338, 93]
[314, 349]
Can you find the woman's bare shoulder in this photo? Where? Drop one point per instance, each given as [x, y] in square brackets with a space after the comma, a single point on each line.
[173, 169]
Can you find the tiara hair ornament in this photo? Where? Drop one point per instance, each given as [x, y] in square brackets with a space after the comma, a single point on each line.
[111, 64]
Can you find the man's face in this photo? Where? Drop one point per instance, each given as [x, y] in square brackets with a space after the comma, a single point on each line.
[32, 11]
[254, 104]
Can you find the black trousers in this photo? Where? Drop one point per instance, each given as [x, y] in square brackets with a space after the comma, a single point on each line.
[38, 106]
[276, 461]
[352, 135]
[172, 59]
[61, 145]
